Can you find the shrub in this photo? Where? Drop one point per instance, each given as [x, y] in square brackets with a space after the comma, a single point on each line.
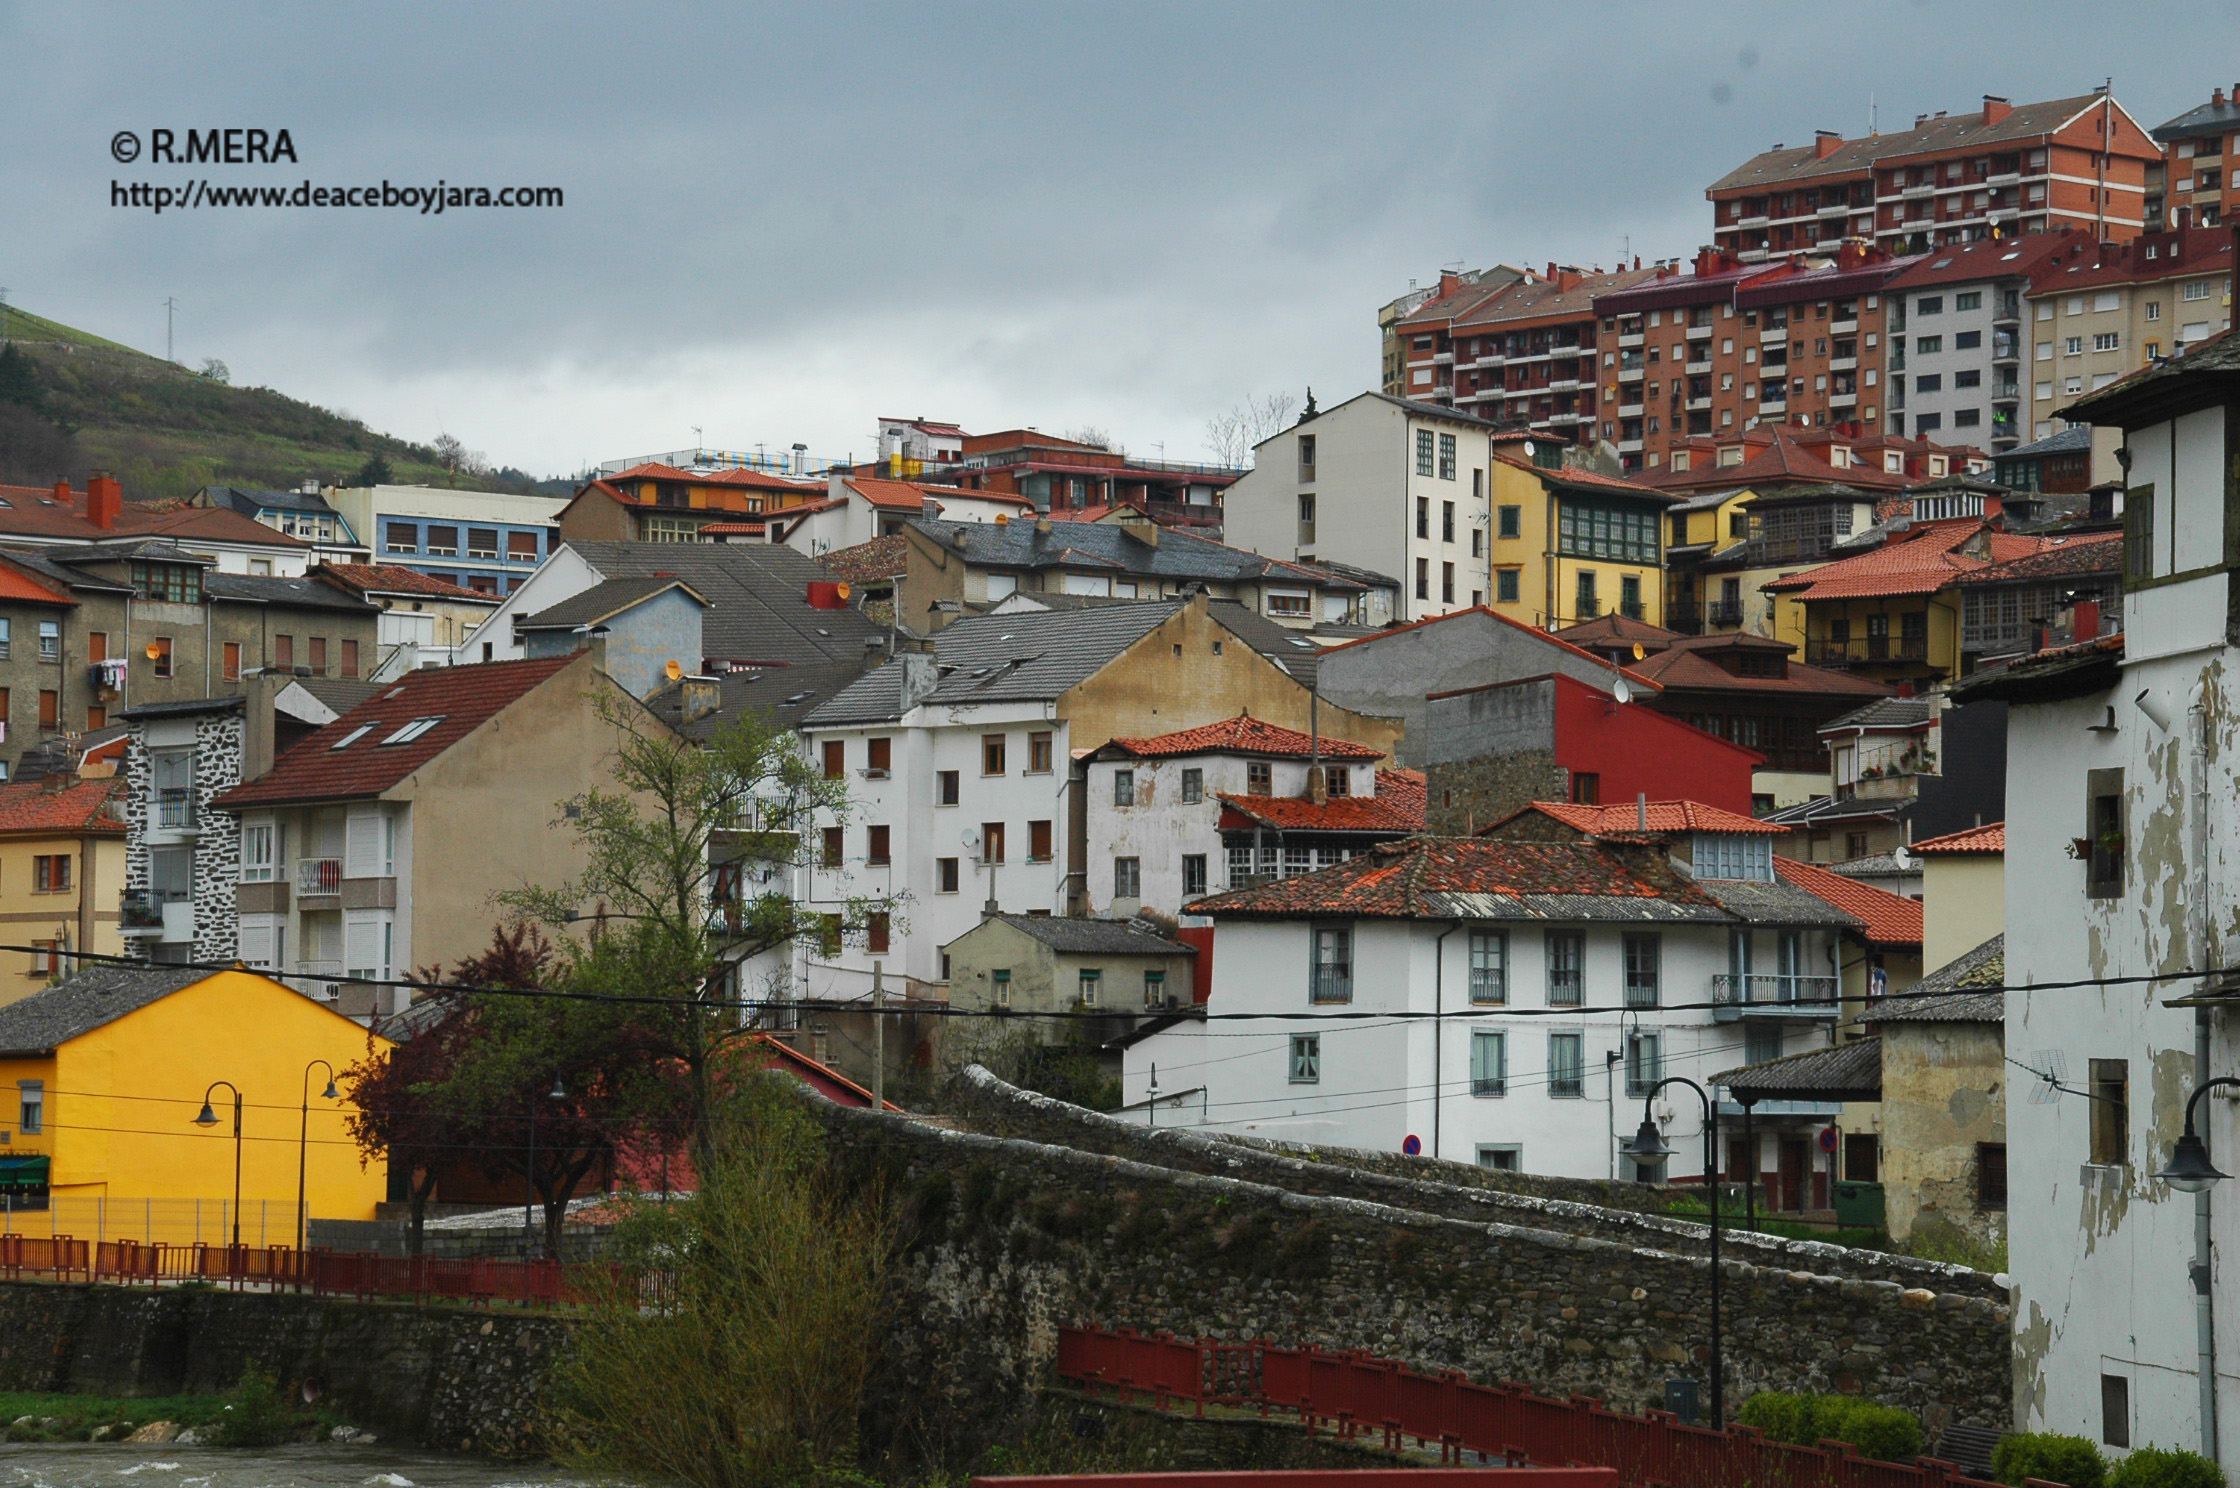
[1883, 1432]
[2050, 1457]
[259, 1414]
[1783, 1417]
[2165, 1467]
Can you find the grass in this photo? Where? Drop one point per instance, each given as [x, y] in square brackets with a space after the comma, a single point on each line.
[76, 1417]
[1858, 1237]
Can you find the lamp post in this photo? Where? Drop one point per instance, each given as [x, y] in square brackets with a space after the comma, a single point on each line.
[2191, 1172]
[529, 1204]
[207, 1117]
[1649, 1145]
[303, 1147]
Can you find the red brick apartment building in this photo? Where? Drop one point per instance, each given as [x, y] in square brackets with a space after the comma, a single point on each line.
[1065, 476]
[1522, 352]
[2200, 164]
[2071, 162]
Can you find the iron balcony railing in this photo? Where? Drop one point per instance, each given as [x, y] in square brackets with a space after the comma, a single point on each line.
[319, 875]
[1776, 994]
[175, 807]
[1866, 650]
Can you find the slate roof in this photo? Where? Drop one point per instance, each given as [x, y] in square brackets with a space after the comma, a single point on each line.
[81, 806]
[266, 589]
[2207, 119]
[1481, 878]
[1683, 667]
[602, 602]
[463, 698]
[1779, 903]
[1951, 994]
[782, 695]
[1883, 713]
[1113, 548]
[1847, 1071]
[1890, 919]
[1287, 648]
[1004, 658]
[1397, 809]
[1956, 132]
[2074, 440]
[1824, 809]
[1243, 734]
[92, 999]
[1086, 937]
[1984, 839]
[757, 594]
[249, 500]
[1663, 816]
[881, 560]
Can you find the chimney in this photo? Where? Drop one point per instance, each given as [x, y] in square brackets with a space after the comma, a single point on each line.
[104, 500]
[1919, 120]
[2216, 98]
[1995, 108]
[929, 509]
[61, 491]
[921, 674]
[702, 696]
[1825, 142]
[1042, 526]
[2185, 218]
[1449, 282]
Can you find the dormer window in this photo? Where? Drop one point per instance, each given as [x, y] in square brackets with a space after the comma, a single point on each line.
[168, 583]
[1733, 855]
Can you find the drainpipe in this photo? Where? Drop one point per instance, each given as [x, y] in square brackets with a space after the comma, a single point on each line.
[1438, 1031]
[2204, 1253]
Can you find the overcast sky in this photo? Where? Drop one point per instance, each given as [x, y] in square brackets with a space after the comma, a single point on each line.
[783, 222]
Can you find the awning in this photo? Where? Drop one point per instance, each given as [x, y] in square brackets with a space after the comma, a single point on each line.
[21, 1172]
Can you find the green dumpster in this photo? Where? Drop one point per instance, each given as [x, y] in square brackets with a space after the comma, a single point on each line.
[1859, 1205]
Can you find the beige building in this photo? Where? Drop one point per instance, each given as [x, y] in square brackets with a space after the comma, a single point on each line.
[1113, 973]
[1963, 891]
[1944, 1109]
[61, 864]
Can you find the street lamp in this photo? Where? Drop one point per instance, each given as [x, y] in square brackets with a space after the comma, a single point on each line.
[1649, 1145]
[559, 1092]
[303, 1147]
[2190, 1170]
[207, 1117]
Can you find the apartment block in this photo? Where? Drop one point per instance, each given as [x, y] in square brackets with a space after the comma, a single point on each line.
[1955, 357]
[2071, 162]
[2200, 164]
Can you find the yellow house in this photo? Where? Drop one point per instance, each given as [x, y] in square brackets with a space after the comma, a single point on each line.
[61, 865]
[1699, 530]
[103, 1075]
[1963, 891]
[1893, 612]
[1568, 545]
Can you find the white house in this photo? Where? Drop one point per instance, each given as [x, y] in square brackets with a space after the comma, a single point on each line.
[1526, 984]
[858, 508]
[2120, 871]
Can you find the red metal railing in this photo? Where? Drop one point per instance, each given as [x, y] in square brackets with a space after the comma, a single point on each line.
[479, 1280]
[1356, 1394]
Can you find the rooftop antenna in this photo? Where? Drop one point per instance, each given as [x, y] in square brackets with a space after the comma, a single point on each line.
[1873, 116]
[170, 308]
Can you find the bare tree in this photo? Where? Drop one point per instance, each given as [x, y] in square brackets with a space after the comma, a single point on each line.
[1232, 435]
[1090, 434]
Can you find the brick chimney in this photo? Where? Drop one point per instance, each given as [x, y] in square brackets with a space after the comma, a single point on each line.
[104, 500]
[61, 491]
[1825, 142]
[1995, 108]
[2216, 98]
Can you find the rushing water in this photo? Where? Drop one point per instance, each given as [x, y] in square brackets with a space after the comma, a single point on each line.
[318, 1465]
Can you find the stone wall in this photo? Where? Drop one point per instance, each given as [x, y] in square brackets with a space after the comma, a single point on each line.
[449, 1377]
[1007, 1240]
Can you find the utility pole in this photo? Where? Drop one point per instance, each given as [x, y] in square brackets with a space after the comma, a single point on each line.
[3, 314]
[170, 309]
[878, 1036]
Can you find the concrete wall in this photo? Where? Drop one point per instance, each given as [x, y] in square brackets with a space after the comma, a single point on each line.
[1491, 752]
[640, 643]
[1963, 903]
[1943, 1092]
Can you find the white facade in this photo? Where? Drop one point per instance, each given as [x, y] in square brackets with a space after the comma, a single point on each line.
[562, 576]
[1356, 498]
[1957, 361]
[347, 872]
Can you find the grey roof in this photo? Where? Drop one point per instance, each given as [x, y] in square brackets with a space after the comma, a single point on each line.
[2075, 439]
[1882, 713]
[782, 695]
[1776, 903]
[340, 693]
[1950, 993]
[1109, 547]
[1355, 572]
[602, 601]
[184, 707]
[1704, 500]
[1085, 937]
[123, 549]
[2208, 119]
[315, 594]
[1287, 648]
[1005, 658]
[249, 500]
[48, 1019]
[1835, 808]
[1851, 1071]
[757, 594]
[43, 563]
[1874, 865]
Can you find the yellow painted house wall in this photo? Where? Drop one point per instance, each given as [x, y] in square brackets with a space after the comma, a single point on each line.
[121, 1101]
[1963, 903]
[1532, 553]
[1943, 609]
[1709, 525]
[82, 917]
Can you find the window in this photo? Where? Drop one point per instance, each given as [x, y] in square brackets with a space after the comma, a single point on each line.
[1760, 1041]
[354, 735]
[160, 663]
[349, 658]
[2196, 290]
[1973, 377]
[521, 547]
[1644, 956]
[414, 729]
[1512, 521]
[1446, 583]
[1967, 418]
[50, 873]
[2115, 1410]
[835, 759]
[1644, 1063]
[1423, 516]
[1123, 787]
[991, 842]
[991, 754]
[1337, 780]
[2111, 1112]
[1586, 787]
[284, 652]
[1505, 585]
[1477, 542]
[1306, 1059]
[1567, 957]
[31, 1107]
[1193, 786]
[1502, 1157]
[1038, 841]
[999, 988]
[1306, 456]
[318, 656]
[1928, 345]
[401, 537]
[1991, 1175]
[1567, 1066]
[945, 786]
[1629, 596]
[1489, 1063]
[2073, 346]
[1127, 878]
[1967, 340]
[1489, 967]
[1968, 300]
[50, 710]
[2104, 828]
[1929, 305]
[443, 542]
[1423, 578]
[835, 846]
[1929, 382]
[1038, 752]
[1423, 462]
[1154, 989]
[1446, 521]
[1193, 875]
[1446, 457]
[877, 845]
[1091, 982]
[1588, 604]
[50, 640]
[1259, 778]
[876, 928]
[1332, 968]
[168, 583]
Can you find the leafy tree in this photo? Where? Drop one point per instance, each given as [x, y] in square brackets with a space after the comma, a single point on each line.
[375, 472]
[215, 371]
[34, 449]
[19, 381]
[396, 1106]
[672, 851]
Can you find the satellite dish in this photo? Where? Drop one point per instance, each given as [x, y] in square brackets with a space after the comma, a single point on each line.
[154, 650]
[1620, 691]
[1639, 651]
[842, 589]
[1906, 861]
[671, 669]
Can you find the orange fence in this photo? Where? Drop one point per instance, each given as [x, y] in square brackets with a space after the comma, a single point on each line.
[323, 1272]
[1357, 1394]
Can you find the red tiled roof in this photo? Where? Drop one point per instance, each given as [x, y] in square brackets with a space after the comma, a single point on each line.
[1993, 258]
[1397, 807]
[1782, 462]
[1615, 629]
[31, 806]
[896, 495]
[1988, 839]
[464, 698]
[1683, 667]
[1533, 631]
[1412, 878]
[1891, 919]
[1244, 734]
[1920, 560]
[1664, 816]
[395, 578]
[2096, 552]
[1589, 478]
[2180, 254]
[21, 588]
[33, 511]
[753, 479]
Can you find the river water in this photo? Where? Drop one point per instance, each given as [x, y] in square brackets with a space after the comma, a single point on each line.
[315, 1465]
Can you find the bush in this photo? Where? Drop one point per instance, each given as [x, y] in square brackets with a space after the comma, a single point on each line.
[2165, 1467]
[1882, 1432]
[259, 1414]
[2049, 1457]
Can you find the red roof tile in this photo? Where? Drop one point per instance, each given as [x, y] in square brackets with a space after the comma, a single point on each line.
[1575, 477]
[1664, 816]
[2096, 552]
[896, 495]
[1682, 667]
[33, 511]
[23, 589]
[752, 479]
[873, 562]
[1989, 839]
[1920, 560]
[32, 806]
[1891, 919]
[1417, 877]
[1398, 807]
[395, 578]
[461, 698]
[1244, 734]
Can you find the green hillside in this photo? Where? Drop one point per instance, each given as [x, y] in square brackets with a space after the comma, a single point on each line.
[165, 430]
